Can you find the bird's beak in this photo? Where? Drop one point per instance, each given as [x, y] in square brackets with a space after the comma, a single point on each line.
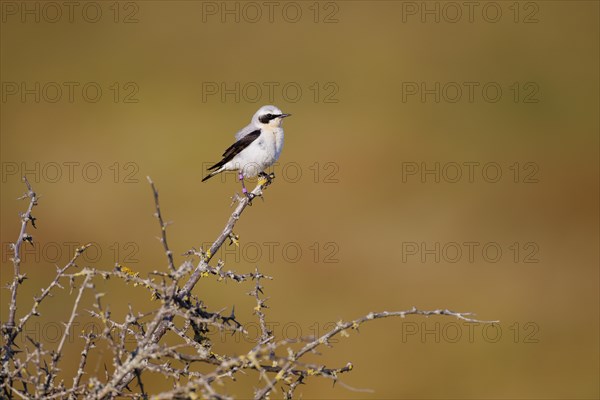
[284, 115]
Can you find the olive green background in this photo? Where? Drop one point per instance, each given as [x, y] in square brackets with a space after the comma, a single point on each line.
[352, 212]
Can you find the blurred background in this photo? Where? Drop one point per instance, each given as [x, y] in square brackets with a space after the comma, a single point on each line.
[439, 155]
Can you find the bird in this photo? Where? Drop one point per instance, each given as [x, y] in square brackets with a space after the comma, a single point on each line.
[258, 146]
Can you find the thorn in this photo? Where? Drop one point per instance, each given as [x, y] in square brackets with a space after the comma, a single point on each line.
[234, 239]
[27, 237]
[32, 219]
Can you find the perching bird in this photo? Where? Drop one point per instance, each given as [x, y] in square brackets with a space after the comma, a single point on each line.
[258, 146]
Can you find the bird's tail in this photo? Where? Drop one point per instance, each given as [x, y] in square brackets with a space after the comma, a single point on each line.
[207, 177]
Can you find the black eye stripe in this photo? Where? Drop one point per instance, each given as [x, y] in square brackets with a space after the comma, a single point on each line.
[266, 118]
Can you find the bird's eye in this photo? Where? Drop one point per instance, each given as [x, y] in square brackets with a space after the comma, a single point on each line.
[266, 118]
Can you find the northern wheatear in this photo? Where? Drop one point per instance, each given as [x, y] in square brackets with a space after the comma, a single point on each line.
[257, 147]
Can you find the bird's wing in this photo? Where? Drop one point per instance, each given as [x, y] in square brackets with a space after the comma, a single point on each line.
[236, 148]
[245, 131]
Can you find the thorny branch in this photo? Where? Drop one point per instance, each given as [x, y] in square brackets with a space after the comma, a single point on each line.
[136, 342]
[162, 320]
[8, 329]
[163, 227]
[26, 217]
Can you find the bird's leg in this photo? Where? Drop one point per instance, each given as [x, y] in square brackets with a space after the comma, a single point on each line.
[244, 190]
[241, 179]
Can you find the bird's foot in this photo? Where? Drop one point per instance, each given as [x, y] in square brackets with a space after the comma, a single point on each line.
[265, 179]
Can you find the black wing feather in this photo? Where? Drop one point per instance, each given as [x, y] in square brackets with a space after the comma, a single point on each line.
[236, 148]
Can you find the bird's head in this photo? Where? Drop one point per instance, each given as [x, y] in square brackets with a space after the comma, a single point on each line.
[269, 116]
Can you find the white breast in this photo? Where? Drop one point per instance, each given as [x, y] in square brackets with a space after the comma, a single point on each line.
[260, 154]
